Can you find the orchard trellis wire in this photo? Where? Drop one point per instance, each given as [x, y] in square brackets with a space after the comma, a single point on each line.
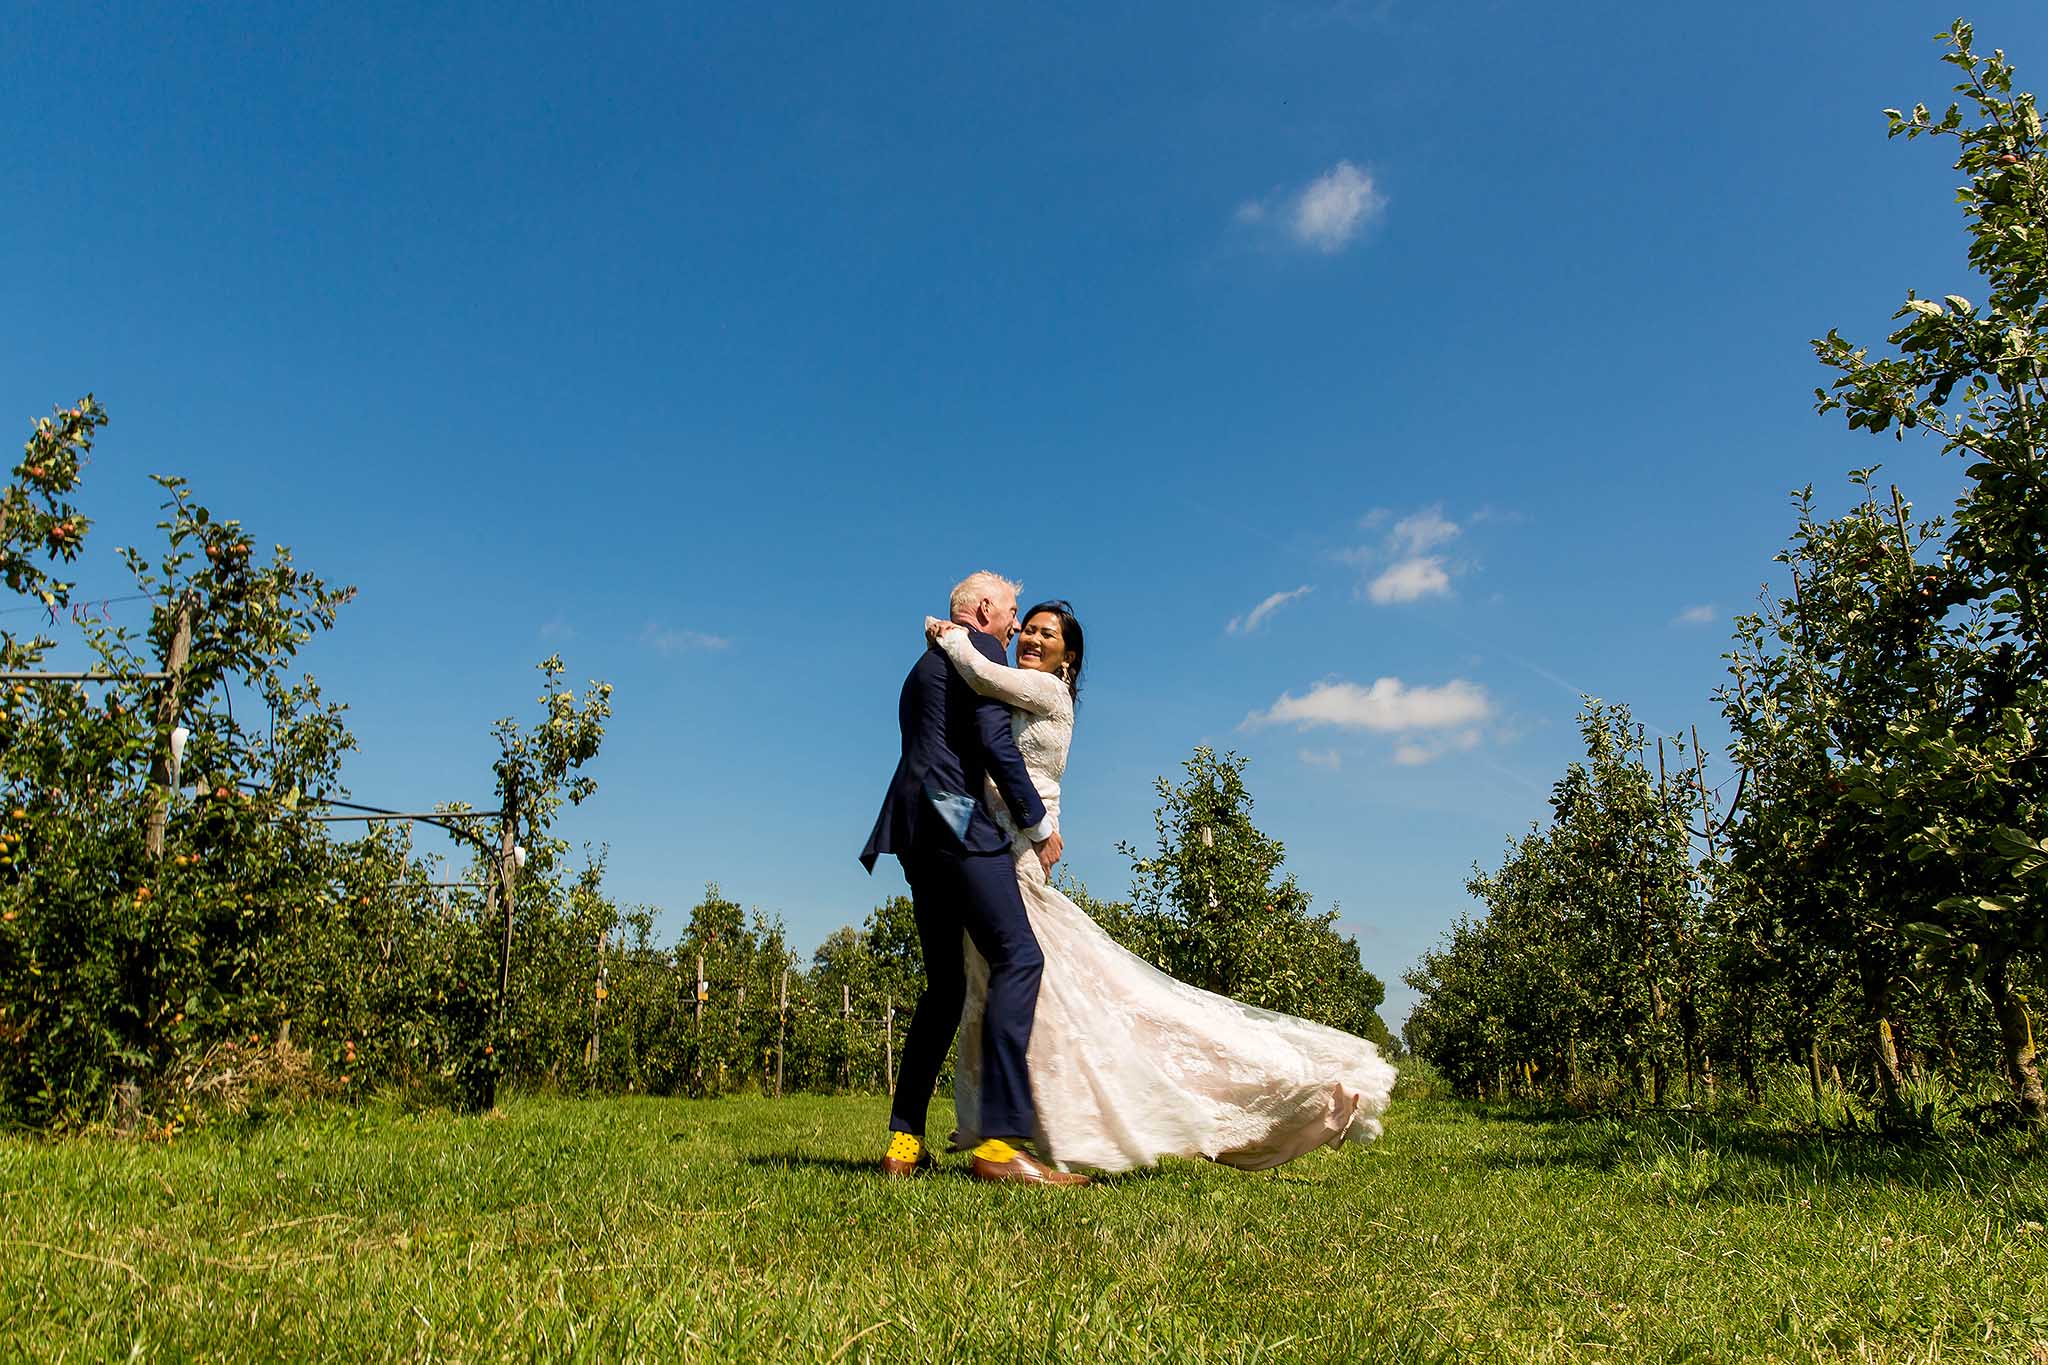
[507, 859]
[737, 1031]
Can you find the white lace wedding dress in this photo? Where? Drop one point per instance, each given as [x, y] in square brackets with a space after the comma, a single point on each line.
[1128, 1064]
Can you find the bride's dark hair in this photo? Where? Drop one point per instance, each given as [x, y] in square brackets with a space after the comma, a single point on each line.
[1070, 636]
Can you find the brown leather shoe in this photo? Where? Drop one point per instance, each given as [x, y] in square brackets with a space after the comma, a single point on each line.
[1024, 1169]
[899, 1168]
[903, 1170]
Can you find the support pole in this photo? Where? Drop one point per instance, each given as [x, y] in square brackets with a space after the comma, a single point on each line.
[781, 1027]
[166, 718]
[507, 870]
[1699, 774]
[503, 889]
[597, 994]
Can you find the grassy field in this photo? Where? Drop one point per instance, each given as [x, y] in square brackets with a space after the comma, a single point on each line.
[753, 1229]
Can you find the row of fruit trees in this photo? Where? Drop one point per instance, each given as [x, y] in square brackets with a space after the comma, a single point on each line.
[194, 921]
[1876, 900]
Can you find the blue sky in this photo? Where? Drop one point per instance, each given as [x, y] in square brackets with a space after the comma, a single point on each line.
[1301, 346]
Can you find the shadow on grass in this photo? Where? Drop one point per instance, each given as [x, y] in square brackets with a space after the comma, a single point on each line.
[865, 1168]
[1667, 1158]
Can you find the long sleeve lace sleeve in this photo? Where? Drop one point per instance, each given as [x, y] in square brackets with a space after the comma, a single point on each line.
[1025, 688]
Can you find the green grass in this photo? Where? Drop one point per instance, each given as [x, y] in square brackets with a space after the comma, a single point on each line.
[753, 1229]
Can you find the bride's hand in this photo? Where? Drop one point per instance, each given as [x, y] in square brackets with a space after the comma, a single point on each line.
[934, 628]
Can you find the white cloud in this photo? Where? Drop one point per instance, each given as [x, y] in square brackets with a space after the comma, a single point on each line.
[1326, 215]
[1701, 615]
[1415, 753]
[1388, 706]
[670, 640]
[1249, 622]
[557, 627]
[1408, 571]
[1411, 580]
[1322, 758]
[1330, 212]
[1425, 530]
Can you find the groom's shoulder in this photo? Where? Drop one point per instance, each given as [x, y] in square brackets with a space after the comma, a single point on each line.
[990, 647]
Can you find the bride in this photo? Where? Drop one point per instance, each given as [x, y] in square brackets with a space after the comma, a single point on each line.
[1128, 1064]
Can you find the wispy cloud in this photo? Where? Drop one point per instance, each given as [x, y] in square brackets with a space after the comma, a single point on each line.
[1322, 758]
[1325, 215]
[1701, 615]
[1389, 706]
[673, 640]
[1411, 580]
[1424, 530]
[557, 627]
[1250, 620]
[1415, 753]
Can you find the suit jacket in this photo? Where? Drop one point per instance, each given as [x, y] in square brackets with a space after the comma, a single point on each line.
[953, 740]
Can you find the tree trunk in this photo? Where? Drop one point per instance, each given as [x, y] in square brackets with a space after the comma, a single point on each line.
[1884, 1053]
[2016, 1046]
[1891, 1081]
[1660, 1070]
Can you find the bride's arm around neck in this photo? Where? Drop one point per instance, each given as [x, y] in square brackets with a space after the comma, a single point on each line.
[1024, 688]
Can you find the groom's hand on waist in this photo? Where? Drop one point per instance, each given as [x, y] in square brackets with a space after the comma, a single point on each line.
[1049, 852]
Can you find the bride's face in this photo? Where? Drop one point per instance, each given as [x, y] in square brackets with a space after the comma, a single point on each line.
[1041, 646]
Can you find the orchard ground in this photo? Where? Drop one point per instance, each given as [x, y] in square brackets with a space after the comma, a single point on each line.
[753, 1228]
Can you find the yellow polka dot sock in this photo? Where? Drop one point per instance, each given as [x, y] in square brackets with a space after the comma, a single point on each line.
[905, 1147]
[996, 1150]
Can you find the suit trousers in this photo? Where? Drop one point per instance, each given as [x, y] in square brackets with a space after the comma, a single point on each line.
[951, 892]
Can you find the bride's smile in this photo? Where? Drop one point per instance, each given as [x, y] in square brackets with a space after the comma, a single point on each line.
[1041, 645]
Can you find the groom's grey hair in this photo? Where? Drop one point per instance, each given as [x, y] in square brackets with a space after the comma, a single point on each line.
[969, 591]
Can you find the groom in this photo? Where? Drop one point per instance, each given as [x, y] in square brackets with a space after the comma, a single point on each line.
[957, 860]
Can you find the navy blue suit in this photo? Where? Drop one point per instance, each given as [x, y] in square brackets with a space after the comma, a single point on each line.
[957, 861]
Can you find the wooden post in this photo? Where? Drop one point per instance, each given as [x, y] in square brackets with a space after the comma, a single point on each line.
[597, 994]
[1699, 773]
[166, 720]
[846, 1035]
[697, 1027]
[508, 868]
[781, 1025]
[501, 887]
[889, 1045]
